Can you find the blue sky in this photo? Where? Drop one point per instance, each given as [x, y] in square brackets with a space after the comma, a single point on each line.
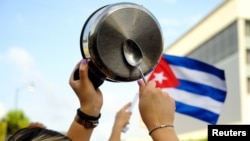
[39, 42]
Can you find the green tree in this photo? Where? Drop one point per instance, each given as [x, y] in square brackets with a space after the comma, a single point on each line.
[16, 120]
[3, 130]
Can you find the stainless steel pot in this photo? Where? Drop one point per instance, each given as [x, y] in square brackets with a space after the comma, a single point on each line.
[105, 31]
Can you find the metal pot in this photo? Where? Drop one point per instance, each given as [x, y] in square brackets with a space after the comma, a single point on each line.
[102, 37]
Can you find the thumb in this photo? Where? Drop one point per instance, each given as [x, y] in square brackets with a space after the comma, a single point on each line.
[141, 85]
[83, 71]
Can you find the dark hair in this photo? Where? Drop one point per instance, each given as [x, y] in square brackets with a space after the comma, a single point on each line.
[37, 134]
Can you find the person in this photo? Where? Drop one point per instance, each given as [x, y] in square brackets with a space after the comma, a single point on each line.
[156, 109]
[121, 121]
[37, 134]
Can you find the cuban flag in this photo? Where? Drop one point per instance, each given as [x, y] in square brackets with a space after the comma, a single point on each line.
[199, 89]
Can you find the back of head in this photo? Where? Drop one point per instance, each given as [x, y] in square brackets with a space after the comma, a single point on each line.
[37, 134]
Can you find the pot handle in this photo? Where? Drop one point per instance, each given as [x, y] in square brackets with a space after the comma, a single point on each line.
[95, 76]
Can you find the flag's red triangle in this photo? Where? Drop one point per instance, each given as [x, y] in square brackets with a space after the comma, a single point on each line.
[163, 75]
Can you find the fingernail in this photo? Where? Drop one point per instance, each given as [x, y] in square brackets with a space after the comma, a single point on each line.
[139, 82]
[84, 61]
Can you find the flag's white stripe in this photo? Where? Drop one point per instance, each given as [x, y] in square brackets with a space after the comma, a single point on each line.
[195, 100]
[198, 77]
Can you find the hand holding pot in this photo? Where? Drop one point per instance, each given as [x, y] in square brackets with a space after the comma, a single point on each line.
[95, 76]
[83, 87]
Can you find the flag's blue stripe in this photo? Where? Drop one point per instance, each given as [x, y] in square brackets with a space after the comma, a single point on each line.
[200, 89]
[197, 112]
[194, 64]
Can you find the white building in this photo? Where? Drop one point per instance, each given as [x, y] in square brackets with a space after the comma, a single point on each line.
[222, 38]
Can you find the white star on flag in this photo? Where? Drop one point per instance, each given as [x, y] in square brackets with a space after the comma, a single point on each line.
[159, 77]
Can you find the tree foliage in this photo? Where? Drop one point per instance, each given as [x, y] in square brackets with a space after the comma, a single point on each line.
[16, 120]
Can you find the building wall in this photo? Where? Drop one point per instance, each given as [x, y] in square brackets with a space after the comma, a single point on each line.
[218, 47]
[205, 29]
[214, 28]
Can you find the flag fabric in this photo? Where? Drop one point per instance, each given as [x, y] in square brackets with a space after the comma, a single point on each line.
[198, 88]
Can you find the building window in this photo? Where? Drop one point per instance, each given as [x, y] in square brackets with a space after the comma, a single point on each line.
[248, 28]
[248, 56]
[248, 85]
[247, 31]
[218, 47]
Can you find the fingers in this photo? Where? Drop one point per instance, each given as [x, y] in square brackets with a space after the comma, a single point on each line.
[83, 70]
[71, 79]
[125, 107]
[36, 124]
[141, 83]
[152, 84]
[143, 86]
[79, 76]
